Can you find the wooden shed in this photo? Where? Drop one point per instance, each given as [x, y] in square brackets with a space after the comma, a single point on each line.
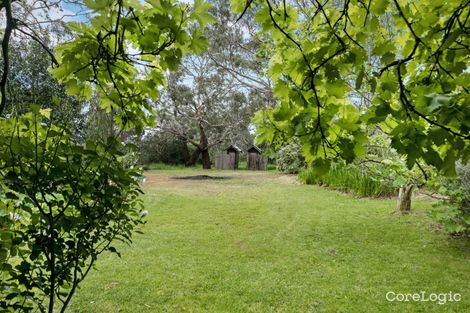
[255, 159]
[230, 159]
[233, 153]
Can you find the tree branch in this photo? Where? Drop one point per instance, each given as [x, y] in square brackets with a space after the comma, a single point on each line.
[10, 25]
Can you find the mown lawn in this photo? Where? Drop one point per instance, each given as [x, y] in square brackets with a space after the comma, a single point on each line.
[259, 242]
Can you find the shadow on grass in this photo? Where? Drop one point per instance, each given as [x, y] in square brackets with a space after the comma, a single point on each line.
[202, 177]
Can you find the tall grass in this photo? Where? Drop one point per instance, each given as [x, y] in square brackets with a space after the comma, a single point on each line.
[350, 179]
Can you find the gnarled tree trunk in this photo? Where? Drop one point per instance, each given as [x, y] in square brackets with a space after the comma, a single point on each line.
[204, 148]
[404, 199]
[205, 159]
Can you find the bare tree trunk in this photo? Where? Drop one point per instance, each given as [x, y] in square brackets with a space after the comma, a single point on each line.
[404, 199]
[10, 25]
[206, 162]
[204, 148]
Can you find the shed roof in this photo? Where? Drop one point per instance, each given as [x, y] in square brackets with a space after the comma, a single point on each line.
[255, 148]
[233, 147]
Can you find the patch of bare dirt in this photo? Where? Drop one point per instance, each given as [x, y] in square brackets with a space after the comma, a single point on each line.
[184, 184]
[288, 179]
[211, 182]
[157, 180]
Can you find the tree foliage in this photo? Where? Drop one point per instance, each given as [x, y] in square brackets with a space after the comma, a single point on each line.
[411, 59]
[62, 204]
[125, 50]
[29, 82]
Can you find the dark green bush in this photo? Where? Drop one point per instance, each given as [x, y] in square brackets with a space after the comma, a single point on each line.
[163, 148]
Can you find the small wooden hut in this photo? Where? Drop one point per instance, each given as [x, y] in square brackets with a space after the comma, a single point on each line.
[228, 160]
[255, 159]
[233, 153]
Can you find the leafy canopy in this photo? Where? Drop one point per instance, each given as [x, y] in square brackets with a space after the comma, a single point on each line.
[409, 60]
[125, 50]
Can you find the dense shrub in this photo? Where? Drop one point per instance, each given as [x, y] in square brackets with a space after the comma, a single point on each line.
[350, 178]
[463, 172]
[163, 148]
[62, 204]
[289, 158]
[454, 213]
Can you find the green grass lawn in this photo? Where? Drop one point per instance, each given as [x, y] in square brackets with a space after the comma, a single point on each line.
[260, 242]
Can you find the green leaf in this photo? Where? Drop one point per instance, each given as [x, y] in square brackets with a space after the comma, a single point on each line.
[379, 6]
[97, 4]
[198, 44]
[448, 165]
[360, 78]
[321, 167]
[337, 89]
[436, 101]
[35, 108]
[201, 13]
